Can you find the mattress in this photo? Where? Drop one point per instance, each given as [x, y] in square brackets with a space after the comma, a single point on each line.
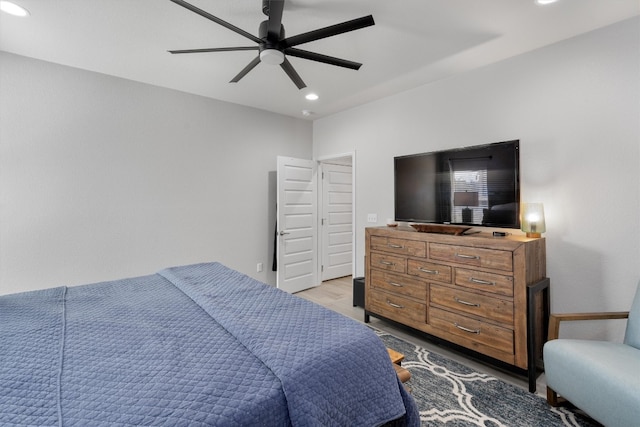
[192, 345]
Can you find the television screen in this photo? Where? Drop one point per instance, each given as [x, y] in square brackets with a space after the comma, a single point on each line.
[477, 186]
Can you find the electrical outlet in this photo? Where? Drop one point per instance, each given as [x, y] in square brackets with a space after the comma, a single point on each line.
[372, 218]
[259, 267]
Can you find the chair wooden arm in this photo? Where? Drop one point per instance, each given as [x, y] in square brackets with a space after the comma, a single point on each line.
[555, 319]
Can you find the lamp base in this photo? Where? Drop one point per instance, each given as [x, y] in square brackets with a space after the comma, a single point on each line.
[534, 235]
[467, 215]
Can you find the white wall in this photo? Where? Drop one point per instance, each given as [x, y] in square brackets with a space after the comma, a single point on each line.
[103, 178]
[575, 106]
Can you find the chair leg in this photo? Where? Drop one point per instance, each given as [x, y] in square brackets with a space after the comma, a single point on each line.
[552, 397]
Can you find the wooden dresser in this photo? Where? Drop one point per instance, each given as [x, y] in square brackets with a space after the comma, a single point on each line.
[483, 293]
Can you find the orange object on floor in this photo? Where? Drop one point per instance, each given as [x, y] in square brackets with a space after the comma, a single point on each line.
[397, 359]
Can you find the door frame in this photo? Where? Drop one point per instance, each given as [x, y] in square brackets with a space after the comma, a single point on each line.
[320, 242]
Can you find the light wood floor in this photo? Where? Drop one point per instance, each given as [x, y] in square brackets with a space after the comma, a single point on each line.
[337, 295]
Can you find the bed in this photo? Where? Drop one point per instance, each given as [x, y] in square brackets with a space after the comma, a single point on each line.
[192, 345]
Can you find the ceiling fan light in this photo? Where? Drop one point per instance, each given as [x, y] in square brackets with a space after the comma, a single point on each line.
[272, 57]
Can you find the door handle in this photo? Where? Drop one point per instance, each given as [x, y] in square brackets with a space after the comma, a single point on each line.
[282, 233]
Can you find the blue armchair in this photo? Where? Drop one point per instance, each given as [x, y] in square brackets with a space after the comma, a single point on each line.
[601, 378]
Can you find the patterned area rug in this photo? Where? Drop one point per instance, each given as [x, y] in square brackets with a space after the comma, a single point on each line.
[449, 393]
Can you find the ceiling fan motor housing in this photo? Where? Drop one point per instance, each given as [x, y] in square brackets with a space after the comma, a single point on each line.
[263, 31]
[270, 51]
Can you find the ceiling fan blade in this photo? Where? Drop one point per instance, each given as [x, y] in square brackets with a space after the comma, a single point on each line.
[217, 20]
[246, 69]
[313, 56]
[332, 30]
[214, 49]
[293, 75]
[275, 20]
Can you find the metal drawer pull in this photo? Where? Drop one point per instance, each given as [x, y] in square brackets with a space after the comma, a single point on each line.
[467, 256]
[387, 263]
[424, 270]
[394, 305]
[481, 282]
[463, 302]
[397, 285]
[471, 331]
[395, 246]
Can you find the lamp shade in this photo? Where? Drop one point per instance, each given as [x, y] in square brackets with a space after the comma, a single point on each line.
[532, 221]
[465, 198]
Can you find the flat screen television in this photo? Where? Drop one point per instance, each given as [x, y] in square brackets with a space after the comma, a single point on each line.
[475, 186]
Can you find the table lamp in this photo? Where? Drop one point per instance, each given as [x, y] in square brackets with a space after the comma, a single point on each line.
[533, 219]
[466, 198]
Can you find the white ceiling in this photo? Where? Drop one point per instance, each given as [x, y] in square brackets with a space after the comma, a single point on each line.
[413, 43]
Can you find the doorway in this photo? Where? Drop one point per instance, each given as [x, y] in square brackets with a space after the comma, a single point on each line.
[315, 213]
[336, 217]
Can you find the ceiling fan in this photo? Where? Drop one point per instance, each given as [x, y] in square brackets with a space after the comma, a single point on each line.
[272, 44]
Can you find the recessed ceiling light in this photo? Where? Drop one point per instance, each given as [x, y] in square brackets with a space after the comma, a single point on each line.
[311, 96]
[13, 9]
[545, 2]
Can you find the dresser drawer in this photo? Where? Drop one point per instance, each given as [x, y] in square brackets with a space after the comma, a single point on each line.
[412, 288]
[388, 262]
[429, 270]
[495, 309]
[473, 330]
[488, 282]
[478, 257]
[399, 246]
[396, 307]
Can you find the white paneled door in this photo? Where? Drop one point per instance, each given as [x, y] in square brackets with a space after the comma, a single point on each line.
[297, 224]
[337, 218]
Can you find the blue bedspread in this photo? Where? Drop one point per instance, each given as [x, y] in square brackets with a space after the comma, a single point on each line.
[193, 345]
